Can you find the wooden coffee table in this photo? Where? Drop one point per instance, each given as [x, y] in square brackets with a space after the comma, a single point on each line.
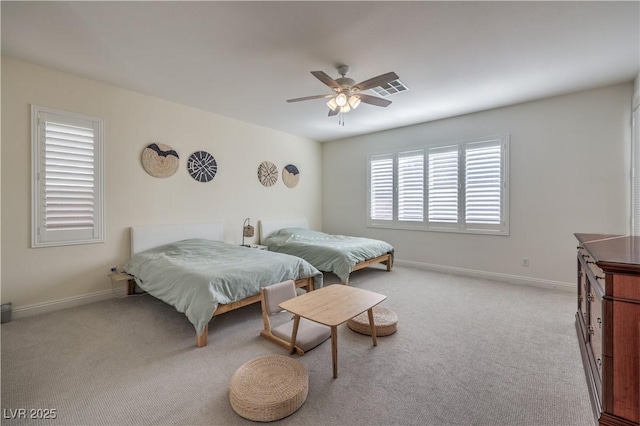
[332, 306]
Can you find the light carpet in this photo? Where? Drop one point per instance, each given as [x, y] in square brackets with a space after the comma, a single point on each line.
[467, 352]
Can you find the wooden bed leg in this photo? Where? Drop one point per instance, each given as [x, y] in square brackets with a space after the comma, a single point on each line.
[201, 340]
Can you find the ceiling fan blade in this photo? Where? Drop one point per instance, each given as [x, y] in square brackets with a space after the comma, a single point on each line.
[367, 99]
[376, 81]
[333, 112]
[323, 77]
[307, 98]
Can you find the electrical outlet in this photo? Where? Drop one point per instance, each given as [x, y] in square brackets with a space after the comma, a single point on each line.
[525, 261]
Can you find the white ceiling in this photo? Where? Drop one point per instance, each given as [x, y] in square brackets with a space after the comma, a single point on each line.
[244, 59]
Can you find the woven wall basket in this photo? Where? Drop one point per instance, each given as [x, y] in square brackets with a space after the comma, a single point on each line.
[160, 160]
[290, 175]
[267, 173]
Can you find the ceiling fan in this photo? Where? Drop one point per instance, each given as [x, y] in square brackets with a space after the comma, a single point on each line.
[348, 95]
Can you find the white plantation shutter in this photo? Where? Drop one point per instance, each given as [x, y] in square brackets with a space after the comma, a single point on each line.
[483, 183]
[411, 186]
[381, 188]
[67, 178]
[461, 187]
[443, 184]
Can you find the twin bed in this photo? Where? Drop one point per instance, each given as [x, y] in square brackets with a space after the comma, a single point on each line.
[190, 267]
[339, 254]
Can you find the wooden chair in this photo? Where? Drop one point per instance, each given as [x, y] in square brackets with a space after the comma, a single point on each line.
[310, 334]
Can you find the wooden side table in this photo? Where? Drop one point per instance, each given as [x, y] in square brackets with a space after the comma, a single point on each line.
[118, 277]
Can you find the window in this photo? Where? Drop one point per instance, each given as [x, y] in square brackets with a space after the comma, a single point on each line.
[458, 187]
[67, 176]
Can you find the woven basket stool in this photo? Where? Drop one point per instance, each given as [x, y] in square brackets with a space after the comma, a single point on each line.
[385, 320]
[269, 388]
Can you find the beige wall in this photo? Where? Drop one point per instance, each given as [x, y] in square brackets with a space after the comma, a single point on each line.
[34, 278]
[569, 172]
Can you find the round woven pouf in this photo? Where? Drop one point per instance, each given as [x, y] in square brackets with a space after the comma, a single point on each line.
[269, 388]
[385, 320]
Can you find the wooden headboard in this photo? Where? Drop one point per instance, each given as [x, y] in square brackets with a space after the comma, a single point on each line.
[268, 227]
[146, 237]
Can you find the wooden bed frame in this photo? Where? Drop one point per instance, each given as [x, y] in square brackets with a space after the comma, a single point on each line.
[268, 227]
[146, 237]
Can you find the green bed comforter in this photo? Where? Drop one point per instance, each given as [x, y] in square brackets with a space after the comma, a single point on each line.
[197, 275]
[332, 253]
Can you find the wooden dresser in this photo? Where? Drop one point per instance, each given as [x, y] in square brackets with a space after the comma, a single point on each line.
[608, 324]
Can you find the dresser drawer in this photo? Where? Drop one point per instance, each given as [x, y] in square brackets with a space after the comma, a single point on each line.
[595, 331]
[596, 349]
[596, 317]
[583, 287]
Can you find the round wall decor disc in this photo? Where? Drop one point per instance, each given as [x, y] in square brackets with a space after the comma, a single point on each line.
[290, 175]
[160, 160]
[267, 173]
[202, 166]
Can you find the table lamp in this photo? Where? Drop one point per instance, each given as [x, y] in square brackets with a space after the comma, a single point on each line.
[247, 230]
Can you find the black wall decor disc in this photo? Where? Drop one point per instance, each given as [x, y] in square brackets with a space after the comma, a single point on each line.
[202, 166]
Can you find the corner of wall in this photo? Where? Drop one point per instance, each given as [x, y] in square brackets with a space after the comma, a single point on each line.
[636, 92]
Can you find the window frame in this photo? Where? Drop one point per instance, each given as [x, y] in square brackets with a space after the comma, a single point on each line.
[457, 227]
[40, 236]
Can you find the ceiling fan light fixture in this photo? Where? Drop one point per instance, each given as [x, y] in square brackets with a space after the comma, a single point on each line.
[341, 99]
[347, 94]
[354, 101]
[332, 104]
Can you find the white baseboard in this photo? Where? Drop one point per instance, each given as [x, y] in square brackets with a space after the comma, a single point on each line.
[514, 279]
[68, 302]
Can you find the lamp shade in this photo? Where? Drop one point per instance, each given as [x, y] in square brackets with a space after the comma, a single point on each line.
[354, 101]
[332, 104]
[248, 231]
